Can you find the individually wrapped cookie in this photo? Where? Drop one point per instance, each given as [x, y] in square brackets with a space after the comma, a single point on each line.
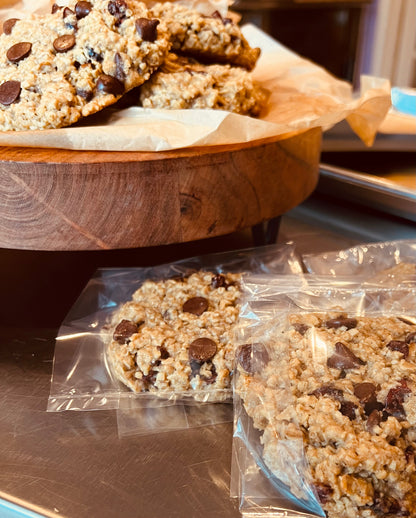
[384, 263]
[325, 399]
[148, 337]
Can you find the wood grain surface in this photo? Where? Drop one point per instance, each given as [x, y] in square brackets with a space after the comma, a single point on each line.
[53, 199]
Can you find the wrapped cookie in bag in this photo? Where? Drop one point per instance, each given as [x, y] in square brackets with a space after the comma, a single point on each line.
[325, 400]
[157, 336]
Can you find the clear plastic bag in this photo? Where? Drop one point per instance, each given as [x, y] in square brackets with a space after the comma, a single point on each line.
[83, 378]
[385, 263]
[317, 356]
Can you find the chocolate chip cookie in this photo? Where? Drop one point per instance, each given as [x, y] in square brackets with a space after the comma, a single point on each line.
[211, 39]
[175, 337]
[59, 67]
[344, 387]
[182, 83]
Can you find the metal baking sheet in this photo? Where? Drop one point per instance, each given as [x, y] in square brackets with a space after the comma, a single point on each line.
[369, 190]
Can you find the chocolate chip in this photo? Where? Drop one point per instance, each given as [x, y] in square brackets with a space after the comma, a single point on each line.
[164, 355]
[348, 408]
[124, 330]
[149, 379]
[365, 392]
[202, 349]
[147, 28]
[67, 12]
[212, 377]
[394, 400]
[409, 453]
[195, 367]
[344, 358]
[94, 55]
[9, 24]
[109, 85]
[218, 281]
[9, 92]
[411, 338]
[85, 94]
[82, 9]
[374, 419]
[387, 506]
[64, 43]
[195, 305]
[372, 405]
[55, 8]
[324, 492]
[330, 391]
[399, 345]
[252, 357]
[341, 321]
[300, 328]
[19, 51]
[119, 73]
[117, 8]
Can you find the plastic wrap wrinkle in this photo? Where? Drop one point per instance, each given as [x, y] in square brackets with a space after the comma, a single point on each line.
[303, 96]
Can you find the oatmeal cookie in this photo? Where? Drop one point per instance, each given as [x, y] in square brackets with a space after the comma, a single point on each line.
[176, 336]
[345, 387]
[206, 38]
[59, 67]
[182, 83]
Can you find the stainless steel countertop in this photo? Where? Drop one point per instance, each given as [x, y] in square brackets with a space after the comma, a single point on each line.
[73, 464]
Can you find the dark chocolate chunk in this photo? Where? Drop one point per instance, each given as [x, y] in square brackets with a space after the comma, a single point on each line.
[82, 9]
[411, 337]
[117, 8]
[348, 408]
[55, 8]
[387, 506]
[9, 92]
[365, 392]
[202, 349]
[85, 94]
[373, 420]
[344, 358]
[124, 330]
[149, 379]
[341, 321]
[324, 492]
[19, 51]
[163, 353]
[213, 376]
[409, 453]
[218, 281]
[109, 85]
[95, 55]
[399, 345]
[252, 357]
[64, 43]
[330, 391]
[67, 12]
[195, 305]
[119, 74]
[195, 368]
[394, 400]
[147, 28]
[300, 328]
[9, 24]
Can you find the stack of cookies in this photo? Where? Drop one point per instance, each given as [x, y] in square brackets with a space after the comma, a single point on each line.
[60, 67]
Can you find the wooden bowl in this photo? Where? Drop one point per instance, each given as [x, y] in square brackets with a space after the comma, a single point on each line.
[52, 199]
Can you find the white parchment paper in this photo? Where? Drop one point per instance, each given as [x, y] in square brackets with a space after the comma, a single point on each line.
[303, 96]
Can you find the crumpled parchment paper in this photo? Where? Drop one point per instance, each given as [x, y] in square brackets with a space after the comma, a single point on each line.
[303, 96]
